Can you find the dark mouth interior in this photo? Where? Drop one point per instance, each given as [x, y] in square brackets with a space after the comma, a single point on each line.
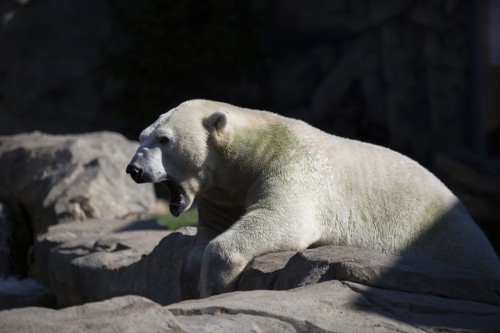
[177, 199]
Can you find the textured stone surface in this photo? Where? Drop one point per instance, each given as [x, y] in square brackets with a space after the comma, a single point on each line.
[125, 314]
[59, 179]
[331, 306]
[285, 270]
[336, 306]
[102, 259]
[132, 314]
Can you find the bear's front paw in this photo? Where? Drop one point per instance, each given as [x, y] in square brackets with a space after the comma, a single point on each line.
[215, 278]
[209, 288]
[219, 271]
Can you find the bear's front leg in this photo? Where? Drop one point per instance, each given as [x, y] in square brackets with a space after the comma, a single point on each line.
[257, 233]
[190, 270]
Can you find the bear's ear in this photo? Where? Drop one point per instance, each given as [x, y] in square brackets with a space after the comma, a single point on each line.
[216, 121]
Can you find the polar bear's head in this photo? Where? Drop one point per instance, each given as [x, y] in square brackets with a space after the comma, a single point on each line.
[175, 151]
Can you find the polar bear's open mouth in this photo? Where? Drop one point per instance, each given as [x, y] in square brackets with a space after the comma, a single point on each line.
[177, 199]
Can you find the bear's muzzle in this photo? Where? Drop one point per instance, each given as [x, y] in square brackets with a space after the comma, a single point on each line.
[136, 173]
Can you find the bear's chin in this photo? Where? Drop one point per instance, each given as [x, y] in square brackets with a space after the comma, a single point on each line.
[178, 202]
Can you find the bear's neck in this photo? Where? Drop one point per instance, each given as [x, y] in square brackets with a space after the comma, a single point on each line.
[254, 157]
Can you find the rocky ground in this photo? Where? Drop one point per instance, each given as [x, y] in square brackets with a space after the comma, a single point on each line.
[110, 269]
[128, 277]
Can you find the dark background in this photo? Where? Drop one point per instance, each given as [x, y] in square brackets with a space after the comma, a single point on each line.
[419, 76]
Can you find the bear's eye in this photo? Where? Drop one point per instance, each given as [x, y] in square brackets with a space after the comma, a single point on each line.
[163, 140]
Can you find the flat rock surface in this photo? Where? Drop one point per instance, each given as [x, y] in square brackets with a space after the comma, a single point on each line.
[337, 306]
[124, 314]
[332, 306]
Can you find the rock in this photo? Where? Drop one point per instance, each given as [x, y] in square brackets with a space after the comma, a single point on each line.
[286, 270]
[6, 227]
[336, 306]
[132, 314]
[98, 260]
[103, 259]
[332, 306]
[124, 314]
[15, 242]
[17, 293]
[67, 178]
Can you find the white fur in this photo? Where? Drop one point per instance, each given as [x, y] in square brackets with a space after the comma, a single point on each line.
[267, 183]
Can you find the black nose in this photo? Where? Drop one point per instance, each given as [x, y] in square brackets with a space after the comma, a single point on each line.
[134, 172]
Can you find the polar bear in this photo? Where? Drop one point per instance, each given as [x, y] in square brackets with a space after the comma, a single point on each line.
[267, 183]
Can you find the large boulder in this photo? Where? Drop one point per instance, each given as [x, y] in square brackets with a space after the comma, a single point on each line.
[99, 259]
[58, 179]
